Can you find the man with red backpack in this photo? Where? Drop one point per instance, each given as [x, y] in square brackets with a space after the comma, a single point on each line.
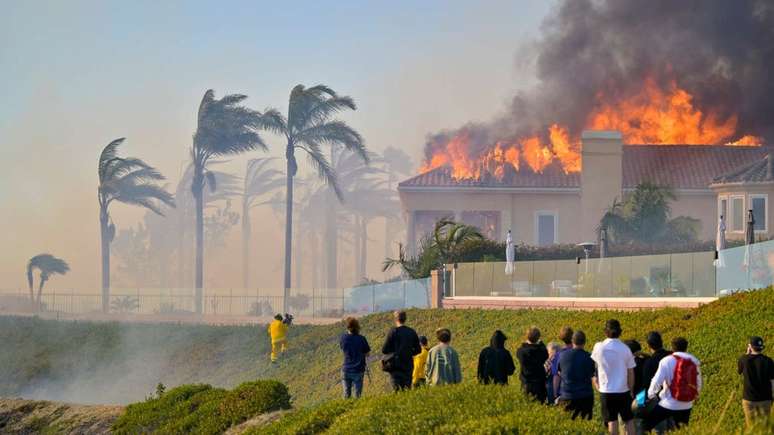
[677, 383]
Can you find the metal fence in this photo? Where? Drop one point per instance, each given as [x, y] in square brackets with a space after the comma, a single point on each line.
[359, 300]
[680, 275]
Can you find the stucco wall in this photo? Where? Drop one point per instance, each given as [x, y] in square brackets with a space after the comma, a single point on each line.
[702, 206]
[517, 210]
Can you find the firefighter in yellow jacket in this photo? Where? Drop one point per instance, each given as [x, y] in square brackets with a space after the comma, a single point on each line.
[277, 331]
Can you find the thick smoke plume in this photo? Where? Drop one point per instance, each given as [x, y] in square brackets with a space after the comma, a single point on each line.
[592, 53]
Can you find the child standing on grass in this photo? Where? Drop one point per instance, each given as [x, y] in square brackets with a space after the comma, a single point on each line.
[443, 362]
[420, 364]
[355, 348]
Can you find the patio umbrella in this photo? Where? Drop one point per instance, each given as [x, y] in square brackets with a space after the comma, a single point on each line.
[603, 243]
[720, 241]
[510, 254]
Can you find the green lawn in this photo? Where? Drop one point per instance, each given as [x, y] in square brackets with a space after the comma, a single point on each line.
[74, 361]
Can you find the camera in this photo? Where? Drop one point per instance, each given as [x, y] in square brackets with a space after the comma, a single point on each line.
[288, 320]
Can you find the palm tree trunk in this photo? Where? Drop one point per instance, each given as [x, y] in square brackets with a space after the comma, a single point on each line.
[246, 236]
[40, 294]
[331, 250]
[198, 183]
[105, 252]
[288, 231]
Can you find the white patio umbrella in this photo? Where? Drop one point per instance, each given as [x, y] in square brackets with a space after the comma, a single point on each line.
[510, 254]
[720, 241]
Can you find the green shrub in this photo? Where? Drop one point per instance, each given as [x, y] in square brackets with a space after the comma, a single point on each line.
[459, 409]
[253, 398]
[201, 409]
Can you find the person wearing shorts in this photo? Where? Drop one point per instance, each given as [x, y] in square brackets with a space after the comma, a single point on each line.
[615, 378]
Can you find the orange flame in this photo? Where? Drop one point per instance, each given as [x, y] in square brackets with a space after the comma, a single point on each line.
[653, 116]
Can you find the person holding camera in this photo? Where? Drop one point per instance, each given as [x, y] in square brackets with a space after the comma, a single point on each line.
[757, 372]
[278, 330]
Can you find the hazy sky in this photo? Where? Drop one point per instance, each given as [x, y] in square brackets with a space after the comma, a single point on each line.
[78, 74]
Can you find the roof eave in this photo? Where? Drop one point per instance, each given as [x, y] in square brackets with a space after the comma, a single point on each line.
[455, 189]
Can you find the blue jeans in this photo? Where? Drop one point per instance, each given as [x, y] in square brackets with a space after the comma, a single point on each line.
[348, 380]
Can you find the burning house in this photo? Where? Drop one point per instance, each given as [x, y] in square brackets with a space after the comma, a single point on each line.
[626, 92]
[558, 206]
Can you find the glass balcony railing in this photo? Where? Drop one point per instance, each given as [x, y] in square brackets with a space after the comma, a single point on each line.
[693, 274]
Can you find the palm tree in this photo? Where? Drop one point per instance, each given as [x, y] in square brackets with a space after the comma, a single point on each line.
[308, 127]
[260, 179]
[224, 127]
[228, 188]
[442, 246]
[127, 180]
[48, 265]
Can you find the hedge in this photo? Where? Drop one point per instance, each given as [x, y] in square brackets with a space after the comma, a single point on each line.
[202, 409]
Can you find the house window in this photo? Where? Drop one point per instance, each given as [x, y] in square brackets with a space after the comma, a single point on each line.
[760, 212]
[486, 221]
[545, 228]
[737, 213]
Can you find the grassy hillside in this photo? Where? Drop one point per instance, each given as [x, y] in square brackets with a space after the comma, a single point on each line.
[72, 361]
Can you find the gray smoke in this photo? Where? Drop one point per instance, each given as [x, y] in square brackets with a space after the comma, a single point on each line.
[720, 51]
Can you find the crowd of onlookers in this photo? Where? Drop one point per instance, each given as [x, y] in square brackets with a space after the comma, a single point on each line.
[642, 391]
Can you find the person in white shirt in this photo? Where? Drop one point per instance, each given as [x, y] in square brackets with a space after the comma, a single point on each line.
[670, 411]
[615, 378]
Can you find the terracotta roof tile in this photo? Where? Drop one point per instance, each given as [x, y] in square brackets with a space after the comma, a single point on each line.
[679, 166]
[760, 171]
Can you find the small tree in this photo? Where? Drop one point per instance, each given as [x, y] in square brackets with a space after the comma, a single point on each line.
[48, 265]
[644, 216]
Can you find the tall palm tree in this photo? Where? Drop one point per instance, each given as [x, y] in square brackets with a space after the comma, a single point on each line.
[308, 127]
[260, 180]
[127, 180]
[228, 187]
[224, 127]
[48, 265]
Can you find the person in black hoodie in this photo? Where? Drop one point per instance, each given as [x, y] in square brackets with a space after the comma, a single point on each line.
[403, 343]
[532, 356]
[639, 358]
[495, 363]
[649, 368]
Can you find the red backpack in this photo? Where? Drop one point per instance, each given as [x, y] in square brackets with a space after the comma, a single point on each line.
[684, 380]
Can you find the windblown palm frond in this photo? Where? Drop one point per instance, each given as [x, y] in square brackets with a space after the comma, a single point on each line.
[48, 265]
[130, 181]
[260, 179]
[224, 127]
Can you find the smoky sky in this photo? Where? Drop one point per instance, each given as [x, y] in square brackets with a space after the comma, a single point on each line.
[722, 52]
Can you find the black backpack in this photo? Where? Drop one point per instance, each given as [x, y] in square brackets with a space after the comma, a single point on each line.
[390, 362]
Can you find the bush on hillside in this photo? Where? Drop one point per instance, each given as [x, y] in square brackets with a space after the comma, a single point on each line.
[459, 409]
[253, 398]
[202, 409]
